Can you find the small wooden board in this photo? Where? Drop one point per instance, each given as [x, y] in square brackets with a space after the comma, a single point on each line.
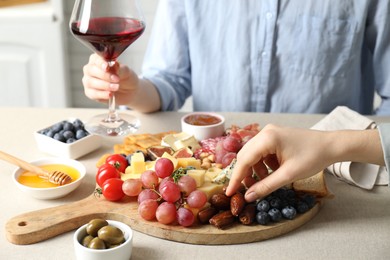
[43, 224]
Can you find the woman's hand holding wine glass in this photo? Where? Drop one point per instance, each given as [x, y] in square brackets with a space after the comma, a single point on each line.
[108, 28]
[100, 81]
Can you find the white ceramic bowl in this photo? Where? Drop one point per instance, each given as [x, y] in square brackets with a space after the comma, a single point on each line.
[73, 150]
[121, 252]
[55, 192]
[201, 132]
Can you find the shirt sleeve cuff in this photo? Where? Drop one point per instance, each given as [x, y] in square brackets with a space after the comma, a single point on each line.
[384, 133]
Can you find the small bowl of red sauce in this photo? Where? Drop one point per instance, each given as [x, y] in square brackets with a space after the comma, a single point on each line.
[203, 125]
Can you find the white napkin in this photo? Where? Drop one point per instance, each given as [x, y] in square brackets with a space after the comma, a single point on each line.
[363, 175]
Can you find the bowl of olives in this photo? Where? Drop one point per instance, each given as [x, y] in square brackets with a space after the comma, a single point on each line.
[67, 138]
[103, 239]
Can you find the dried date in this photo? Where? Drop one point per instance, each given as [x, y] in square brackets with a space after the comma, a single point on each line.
[222, 219]
[248, 215]
[206, 214]
[220, 201]
[237, 204]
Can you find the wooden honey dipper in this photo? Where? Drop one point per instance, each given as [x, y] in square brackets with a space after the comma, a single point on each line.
[55, 177]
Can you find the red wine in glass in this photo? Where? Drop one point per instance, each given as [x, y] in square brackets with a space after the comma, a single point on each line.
[108, 27]
[109, 36]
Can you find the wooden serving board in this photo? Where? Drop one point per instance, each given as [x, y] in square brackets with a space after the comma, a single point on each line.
[43, 224]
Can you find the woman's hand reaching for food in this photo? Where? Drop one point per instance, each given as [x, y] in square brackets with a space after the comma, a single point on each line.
[294, 154]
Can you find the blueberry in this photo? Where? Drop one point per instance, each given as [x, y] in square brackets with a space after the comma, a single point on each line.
[263, 206]
[49, 133]
[68, 126]
[263, 218]
[289, 212]
[80, 134]
[59, 137]
[310, 200]
[302, 207]
[275, 215]
[280, 193]
[57, 127]
[70, 140]
[275, 203]
[68, 134]
[78, 124]
[290, 193]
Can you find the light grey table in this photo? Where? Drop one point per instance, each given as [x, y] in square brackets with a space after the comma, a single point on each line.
[355, 224]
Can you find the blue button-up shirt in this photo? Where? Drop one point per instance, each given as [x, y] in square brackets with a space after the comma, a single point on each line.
[296, 56]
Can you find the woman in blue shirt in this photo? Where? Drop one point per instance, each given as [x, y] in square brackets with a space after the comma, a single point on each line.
[268, 56]
[299, 153]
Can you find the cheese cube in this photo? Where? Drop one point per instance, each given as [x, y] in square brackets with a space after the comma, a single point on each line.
[138, 163]
[190, 161]
[198, 175]
[211, 188]
[190, 142]
[211, 173]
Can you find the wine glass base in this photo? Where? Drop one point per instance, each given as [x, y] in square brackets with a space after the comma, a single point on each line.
[102, 125]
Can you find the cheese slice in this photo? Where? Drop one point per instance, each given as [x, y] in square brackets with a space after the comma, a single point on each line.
[211, 173]
[211, 188]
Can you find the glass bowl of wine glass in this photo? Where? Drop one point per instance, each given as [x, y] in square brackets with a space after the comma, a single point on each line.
[108, 28]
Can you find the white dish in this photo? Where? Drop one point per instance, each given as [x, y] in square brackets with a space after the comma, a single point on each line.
[201, 132]
[121, 252]
[55, 192]
[73, 150]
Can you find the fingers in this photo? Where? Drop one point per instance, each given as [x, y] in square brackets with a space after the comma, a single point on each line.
[267, 185]
[98, 79]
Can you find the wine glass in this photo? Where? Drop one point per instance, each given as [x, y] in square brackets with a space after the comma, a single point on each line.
[108, 27]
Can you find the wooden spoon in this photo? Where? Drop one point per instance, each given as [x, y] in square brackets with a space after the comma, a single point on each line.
[55, 177]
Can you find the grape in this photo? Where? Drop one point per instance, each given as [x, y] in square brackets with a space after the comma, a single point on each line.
[166, 213]
[162, 183]
[147, 209]
[170, 191]
[132, 187]
[164, 167]
[249, 181]
[231, 144]
[197, 199]
[149, 179]
[228, 158]
[185, 217]
[147, 194]
[187, 184]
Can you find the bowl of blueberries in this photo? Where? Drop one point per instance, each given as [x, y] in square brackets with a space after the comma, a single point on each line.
[67, 139]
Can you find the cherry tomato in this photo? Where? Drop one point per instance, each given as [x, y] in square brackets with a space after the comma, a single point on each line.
[105, 172]
[112, 189]
[119, 161]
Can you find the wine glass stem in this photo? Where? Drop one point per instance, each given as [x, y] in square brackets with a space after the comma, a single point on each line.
[112, 113]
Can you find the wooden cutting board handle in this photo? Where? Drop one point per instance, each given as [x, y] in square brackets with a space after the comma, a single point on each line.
[43, 224]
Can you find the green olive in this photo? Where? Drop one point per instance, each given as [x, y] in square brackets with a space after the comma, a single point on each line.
[94, 225]
[97, 243]
[111, 235]
[86, 240]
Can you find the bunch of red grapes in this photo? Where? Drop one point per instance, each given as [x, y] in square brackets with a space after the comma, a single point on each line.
[169, 200]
